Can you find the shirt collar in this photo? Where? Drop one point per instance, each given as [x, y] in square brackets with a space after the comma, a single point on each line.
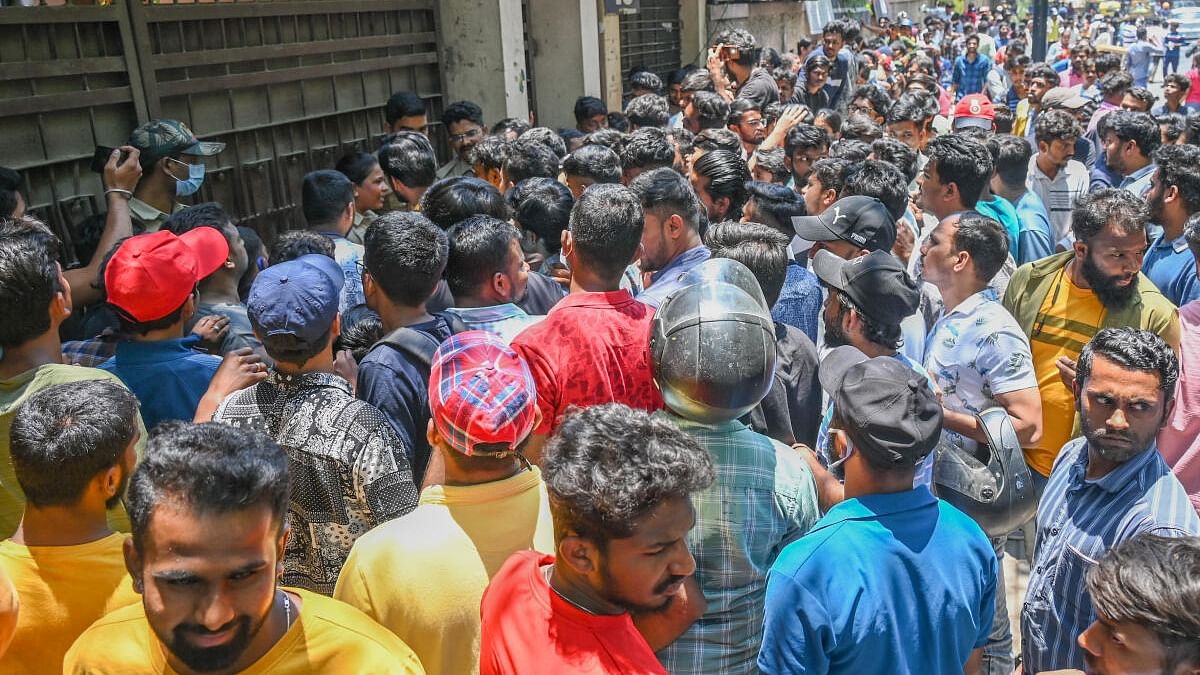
[727, 427]
[132, 351]
[293, 381]
[684, 261]
[143, 211]
[873, 507]
[595, 299]
[1119, 477]
[1178, 244]
[490, 313]
[1139, 174]
[972, 302]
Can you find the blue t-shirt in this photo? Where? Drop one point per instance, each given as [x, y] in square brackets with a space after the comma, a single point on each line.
[902, 583]
[1172, 268]
[168, 376]
[1035, 240]
[999, 209]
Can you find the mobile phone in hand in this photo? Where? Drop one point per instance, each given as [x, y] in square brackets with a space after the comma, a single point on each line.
[100, 158]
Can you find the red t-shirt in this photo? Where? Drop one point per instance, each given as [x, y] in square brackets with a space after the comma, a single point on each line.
[528, 629]
[592, 348]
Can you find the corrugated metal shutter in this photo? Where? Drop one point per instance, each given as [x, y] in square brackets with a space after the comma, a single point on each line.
[650, 39]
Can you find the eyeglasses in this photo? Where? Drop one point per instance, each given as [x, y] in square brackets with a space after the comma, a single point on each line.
[459, 138]
[760, 122]
[362, 269]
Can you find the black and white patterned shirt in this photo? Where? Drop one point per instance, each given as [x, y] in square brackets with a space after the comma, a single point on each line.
[349, 470]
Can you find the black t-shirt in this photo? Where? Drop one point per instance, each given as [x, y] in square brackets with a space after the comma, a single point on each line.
[759, 88]
[541, 293]
[791, 411]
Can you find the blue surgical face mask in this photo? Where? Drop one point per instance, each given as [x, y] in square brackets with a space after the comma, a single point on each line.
[190, 185]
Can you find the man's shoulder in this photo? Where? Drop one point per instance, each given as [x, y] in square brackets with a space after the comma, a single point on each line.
[119, 637]
[358, 639]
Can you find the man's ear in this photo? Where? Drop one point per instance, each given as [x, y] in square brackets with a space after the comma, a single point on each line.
[675, 227]
[567, 243]
[281, 546]
[581, 555]
[1170, 193]
[133, 564]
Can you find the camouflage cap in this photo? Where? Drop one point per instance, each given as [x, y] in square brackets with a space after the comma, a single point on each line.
[162, 138]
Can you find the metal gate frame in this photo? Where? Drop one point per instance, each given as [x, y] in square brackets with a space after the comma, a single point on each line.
[288, 85]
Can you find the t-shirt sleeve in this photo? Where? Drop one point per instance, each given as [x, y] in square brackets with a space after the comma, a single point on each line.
[543, 378]
[758, 91]
[987, 603]
[352, 587]
[382, 474]
[1033, 245]
[1005, 361]
[796, 630]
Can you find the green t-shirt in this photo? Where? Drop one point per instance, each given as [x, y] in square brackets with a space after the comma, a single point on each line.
[13, 393]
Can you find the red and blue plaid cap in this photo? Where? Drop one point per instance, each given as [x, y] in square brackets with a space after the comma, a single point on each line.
[481, 393]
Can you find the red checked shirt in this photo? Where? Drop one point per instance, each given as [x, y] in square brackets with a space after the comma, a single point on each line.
[592, 348]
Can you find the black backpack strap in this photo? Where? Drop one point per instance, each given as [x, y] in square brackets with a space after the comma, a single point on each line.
[453, 321]
[415, 344]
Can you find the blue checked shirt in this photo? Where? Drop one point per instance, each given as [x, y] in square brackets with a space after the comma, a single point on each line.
[799, 303]
[504, 321]
[764, 498]
[1078, 521]
[970, 76]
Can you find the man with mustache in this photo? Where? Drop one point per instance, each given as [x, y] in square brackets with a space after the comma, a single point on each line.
[1061, 302]
[619, 484]
[207, 507]
[1106, 487]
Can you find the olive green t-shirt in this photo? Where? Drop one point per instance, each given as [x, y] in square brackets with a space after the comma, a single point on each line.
[14, 392]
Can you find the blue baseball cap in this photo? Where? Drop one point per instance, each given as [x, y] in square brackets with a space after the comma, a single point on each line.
[299, 297]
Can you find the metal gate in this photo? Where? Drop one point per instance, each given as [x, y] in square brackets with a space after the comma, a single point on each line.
[288, 85]
[650, 39]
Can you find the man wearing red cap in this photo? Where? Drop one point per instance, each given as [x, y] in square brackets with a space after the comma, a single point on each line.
[151, 284]
[975, 111]
[492, 504]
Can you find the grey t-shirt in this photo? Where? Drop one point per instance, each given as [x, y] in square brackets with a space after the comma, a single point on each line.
[241, 333]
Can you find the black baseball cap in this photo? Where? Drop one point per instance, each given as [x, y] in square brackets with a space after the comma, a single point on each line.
[876, 283]
[862, 221]
[894, 414]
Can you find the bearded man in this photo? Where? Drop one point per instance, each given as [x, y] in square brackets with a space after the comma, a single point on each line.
[1063, 301]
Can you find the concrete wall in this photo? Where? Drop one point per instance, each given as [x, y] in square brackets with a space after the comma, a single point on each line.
[483, 55]
[775, 24]
[565, 50]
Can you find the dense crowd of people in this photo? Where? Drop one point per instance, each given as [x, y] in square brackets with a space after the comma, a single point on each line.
[767, 372]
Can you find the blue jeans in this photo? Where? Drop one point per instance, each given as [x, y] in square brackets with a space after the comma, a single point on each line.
[1170, 63]
[997, 653]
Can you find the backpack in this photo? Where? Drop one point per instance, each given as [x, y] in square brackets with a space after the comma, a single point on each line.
[418, 345]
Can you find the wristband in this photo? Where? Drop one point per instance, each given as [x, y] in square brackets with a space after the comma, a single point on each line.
[120, 191]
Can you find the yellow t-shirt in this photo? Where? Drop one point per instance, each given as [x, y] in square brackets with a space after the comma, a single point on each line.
[423, 574]
[9, 606]
[63, 590]
[14, 392]
[328, 637]
[1068, 318]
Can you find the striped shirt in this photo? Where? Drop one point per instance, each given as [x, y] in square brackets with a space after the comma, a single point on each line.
[763, 499]
[1078, 521]
[1060, 193]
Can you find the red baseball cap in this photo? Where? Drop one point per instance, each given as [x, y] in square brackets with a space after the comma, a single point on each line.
[974, 110]
[482, 393]
[151, 275]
